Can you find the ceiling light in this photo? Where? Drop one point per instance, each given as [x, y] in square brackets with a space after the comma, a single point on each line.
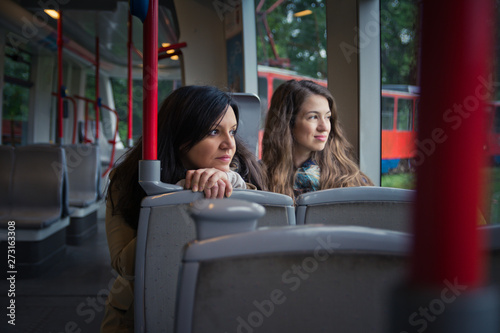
[303, 13]
[52, 13]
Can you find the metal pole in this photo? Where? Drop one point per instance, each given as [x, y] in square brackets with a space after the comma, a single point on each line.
[446, 291]
[97, 97]
[456, 60]
[59, 80]
[150, 83]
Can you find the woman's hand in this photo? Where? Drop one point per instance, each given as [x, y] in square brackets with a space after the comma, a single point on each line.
[212, 181]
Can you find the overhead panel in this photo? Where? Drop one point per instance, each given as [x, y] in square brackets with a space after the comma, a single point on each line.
[70, 4]
[84, 20]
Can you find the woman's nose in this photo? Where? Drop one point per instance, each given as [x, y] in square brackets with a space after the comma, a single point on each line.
[228, 141]
[324, 125]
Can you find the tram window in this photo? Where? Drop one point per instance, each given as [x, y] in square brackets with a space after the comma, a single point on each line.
[277, 83]
[262, 82]
[17, 63]
[291, 35]
[262, 88]
[120, 96]
[399, 45]
[387, 113]
[405, 107]
[16, 96]
[291, 43]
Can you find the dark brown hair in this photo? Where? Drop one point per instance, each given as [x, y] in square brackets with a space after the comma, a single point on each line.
[185, 118]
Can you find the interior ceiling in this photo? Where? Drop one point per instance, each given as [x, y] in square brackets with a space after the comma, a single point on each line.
[71, 4]
[83, 20]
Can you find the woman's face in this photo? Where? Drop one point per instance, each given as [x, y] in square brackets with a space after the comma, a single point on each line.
[312, 125]
[217, 149]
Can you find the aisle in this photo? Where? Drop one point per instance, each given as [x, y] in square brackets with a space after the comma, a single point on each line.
[68, 298]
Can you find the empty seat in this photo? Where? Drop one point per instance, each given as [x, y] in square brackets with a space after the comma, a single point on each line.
[291, 279]
[40, 186]
[370, 206]
[39, 207]
[84, 175]
[249, 123]
[165, 227]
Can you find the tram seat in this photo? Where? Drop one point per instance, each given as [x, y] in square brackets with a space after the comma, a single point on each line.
[6, 170]
[165, 227]
[39, 207]
[249, 122]
[369, 206]
[84, 177]
[292, 279]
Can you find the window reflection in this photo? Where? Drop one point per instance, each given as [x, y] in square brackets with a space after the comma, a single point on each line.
[16, 96]
[387, 113]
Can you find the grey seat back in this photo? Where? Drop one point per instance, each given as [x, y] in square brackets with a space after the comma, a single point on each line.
[83, 174]
[6, 170]
[249, 123]
[40, 186]
[280, 210]
[370, 206]
[165, 227]
[292, 279]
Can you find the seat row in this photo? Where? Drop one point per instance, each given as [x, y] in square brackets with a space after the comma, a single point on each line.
[208, 266]
[48, 197]
[166, 228]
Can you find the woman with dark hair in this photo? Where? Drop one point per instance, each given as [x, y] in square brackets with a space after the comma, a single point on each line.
[198, 148]
[304, 147]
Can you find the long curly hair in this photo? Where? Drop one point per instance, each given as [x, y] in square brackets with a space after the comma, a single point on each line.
[185, 118]
[336, 161]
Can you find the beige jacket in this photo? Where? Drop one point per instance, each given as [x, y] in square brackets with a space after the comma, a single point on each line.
[119, 314]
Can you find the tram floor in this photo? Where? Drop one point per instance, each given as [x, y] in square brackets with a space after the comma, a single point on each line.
[69, 297]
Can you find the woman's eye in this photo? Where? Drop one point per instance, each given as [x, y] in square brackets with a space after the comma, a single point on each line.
[313, 117]
[213, 132]
[233, 132]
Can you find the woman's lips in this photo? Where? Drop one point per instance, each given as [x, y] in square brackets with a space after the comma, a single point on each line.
[225, 158]
[321, 137]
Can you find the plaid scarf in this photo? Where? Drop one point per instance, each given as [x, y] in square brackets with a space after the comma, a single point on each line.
[306, 178]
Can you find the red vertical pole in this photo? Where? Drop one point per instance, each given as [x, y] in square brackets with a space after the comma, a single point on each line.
[97, 97]
[447, 291]
[129, 51]
[59, 80]
[455, 72]
[150, 83]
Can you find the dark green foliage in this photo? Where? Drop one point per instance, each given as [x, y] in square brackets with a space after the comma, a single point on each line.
[16, 97]
[302, 40]
[399, 41]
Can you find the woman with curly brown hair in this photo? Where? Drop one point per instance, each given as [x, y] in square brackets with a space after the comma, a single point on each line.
[304, 147]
